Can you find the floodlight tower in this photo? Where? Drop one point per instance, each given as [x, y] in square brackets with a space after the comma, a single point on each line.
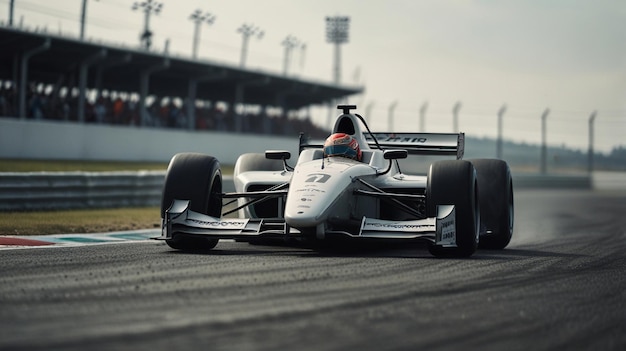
[289, 43]
[148, 7]
[197, 17]
[247, 30]
[337, 33]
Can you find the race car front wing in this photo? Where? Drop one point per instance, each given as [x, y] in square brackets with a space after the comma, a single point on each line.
[440, 230]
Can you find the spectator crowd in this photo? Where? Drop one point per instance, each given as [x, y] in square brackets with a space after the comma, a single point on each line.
[45, 103]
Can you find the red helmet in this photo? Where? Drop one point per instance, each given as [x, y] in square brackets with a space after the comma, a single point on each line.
[342, 144]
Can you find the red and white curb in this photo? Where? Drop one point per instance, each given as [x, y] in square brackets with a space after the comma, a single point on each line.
[9, 242]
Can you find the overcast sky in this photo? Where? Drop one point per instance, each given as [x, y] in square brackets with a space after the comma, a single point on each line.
[568, 56]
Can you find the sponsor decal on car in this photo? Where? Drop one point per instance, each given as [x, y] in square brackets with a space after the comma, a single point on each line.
[446, 229]
[311, 190]
[230, 224]
[317, 178]
[421, 225]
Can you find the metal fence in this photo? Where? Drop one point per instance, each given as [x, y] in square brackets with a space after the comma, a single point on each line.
[74, 190]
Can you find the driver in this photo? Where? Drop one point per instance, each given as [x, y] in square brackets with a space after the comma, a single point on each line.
[342, 144]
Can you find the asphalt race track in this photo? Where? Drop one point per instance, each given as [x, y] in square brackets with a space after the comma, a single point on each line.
[560, 285]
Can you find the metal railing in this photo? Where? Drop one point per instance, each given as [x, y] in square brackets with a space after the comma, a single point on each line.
[72, 190]
[75, 190]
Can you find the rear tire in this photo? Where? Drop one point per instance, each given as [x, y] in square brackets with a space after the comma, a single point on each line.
[197, 178]
[454, 183]
[496, 203]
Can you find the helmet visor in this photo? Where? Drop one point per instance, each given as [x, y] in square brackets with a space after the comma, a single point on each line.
[340, 150]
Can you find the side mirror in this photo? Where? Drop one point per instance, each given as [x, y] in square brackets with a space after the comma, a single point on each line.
[395, 154]
[277, 154]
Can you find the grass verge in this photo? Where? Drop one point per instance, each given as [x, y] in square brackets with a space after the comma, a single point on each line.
[86, 220]
[79, 221]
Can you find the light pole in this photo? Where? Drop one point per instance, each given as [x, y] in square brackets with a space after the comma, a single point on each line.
[455, 116]
[544, 142]
[198, 18]
[592, 119]
[247, 31]
[501, 112]
[392, 107]
[11, 6]
[423, 116]
[302, 56]
[148, 7]
[337, 33]
[368, 109]
[83, 16]
[290, 42]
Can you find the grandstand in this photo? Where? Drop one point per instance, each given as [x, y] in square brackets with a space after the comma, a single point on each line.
[45, 76]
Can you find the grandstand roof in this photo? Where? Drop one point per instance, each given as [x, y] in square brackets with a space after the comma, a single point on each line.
[120, 69]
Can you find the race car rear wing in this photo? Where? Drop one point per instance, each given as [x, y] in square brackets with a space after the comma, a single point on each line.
[450, 144]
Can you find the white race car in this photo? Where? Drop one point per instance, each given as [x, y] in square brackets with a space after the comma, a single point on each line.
[401, 188]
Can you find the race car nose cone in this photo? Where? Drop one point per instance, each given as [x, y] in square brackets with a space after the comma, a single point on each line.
[314, 192]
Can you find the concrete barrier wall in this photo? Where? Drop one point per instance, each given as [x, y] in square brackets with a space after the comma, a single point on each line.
[28, 139]
[551, 181]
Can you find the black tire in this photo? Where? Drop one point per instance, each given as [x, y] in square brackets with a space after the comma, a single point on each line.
[197, 178]
[454, 182]
[497, 213]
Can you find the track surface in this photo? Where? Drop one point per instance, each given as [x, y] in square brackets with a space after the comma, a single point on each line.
[561, 284]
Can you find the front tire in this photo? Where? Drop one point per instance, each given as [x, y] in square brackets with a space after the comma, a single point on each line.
[495, 185]
[197, 178]
[454, 182]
